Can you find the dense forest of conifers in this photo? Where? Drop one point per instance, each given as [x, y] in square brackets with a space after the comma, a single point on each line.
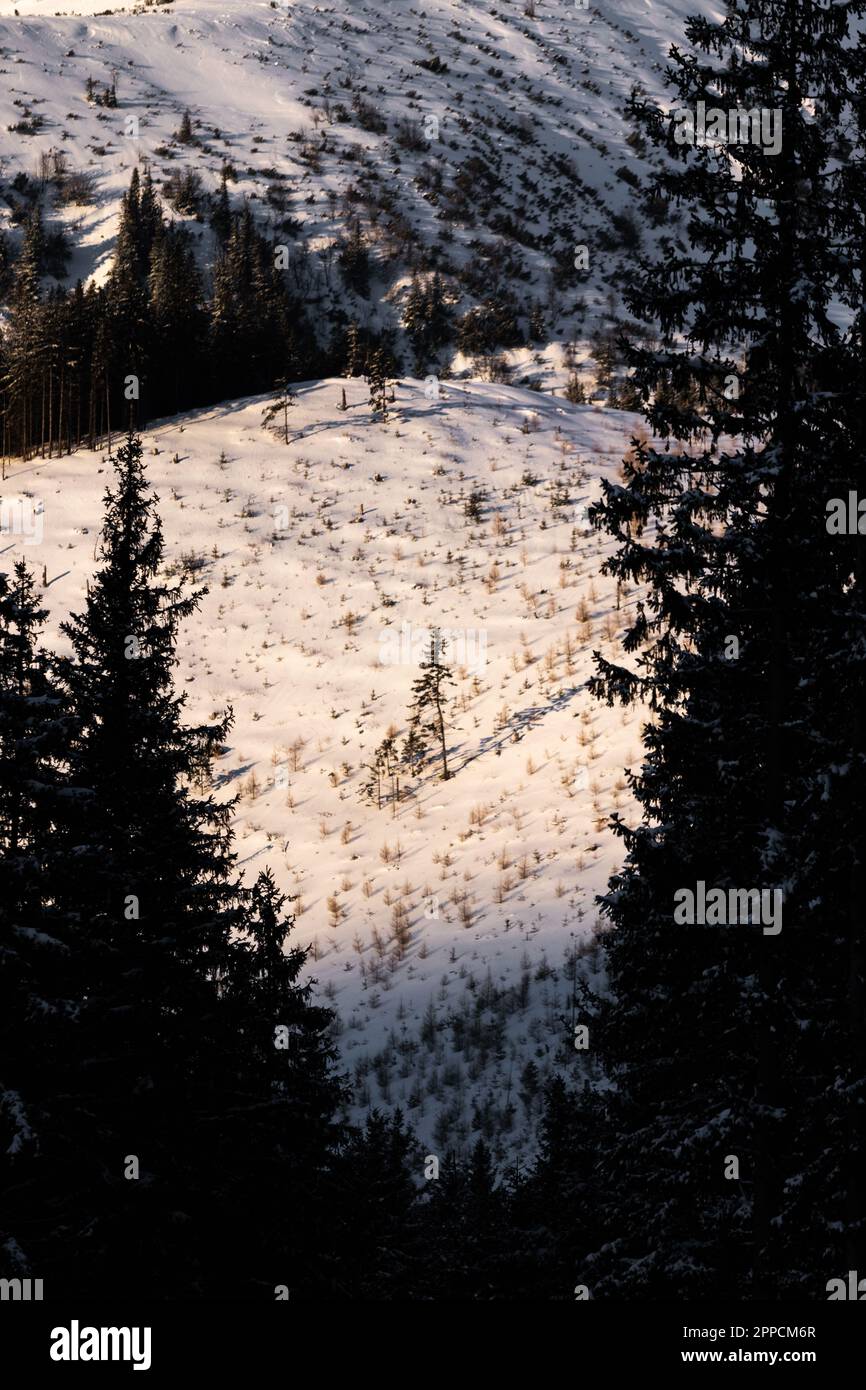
[74, 365]
[165, 334]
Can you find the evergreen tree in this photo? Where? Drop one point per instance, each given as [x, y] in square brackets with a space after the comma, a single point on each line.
[221, 212]
[354, 261]
[5, 266]
[414, 751]
[152, 884]
[24, 348]
[279, 408]
[537, 325]
[529, 1085]
[278, 1104]
[254, 323]
[489, 325]
[127, 323]
[377, 380]
[427, 318]
[429, 695]
[575, 390]
[184, 133]
[178, 317]
[714, 1043]
[38, 988]
[150, 220]
[356, 353]
[375, 1251]
[560, 1208]
[465, 1234]
[170, 1064]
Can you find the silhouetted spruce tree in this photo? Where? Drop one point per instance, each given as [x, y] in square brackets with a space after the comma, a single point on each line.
[184, 132]
[39, 987]
[375, 1192]
[153, 889]
[275, 1112]
[252, 319]
[828, 815]
[427, 318]
[150, 220]
[465, 1238]
[181, 976]
[99, 403]
[556, 1208]
[715, 1044]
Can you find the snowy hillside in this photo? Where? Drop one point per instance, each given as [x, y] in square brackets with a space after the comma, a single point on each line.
[483, 141]
[443, 929]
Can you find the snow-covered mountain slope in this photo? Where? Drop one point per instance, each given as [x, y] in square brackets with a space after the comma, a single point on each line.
[326, 562]
[485, 140]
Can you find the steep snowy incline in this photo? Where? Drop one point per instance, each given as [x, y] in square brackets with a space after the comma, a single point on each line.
[447, 927]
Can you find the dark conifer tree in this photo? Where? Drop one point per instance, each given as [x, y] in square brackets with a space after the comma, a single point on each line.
[714, 1045]
[5, 266]
[179, 322]
[427, 319]
[184, 133]
[354, 261]
[275, 1112]
[153, 889]
[376, 1185]
[377, 380]
[39, 986]
[150, 220]
[221, 212]
[414, 751]
[127, 321]
[23, 348]
[356, 352]
[250, 314]
[173, 1088]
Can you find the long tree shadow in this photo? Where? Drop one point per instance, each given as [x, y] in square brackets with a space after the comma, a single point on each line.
[225, 779]
[512, 731]
[519, 724]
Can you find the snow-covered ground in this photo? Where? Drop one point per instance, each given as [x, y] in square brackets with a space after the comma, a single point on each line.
[317, 555]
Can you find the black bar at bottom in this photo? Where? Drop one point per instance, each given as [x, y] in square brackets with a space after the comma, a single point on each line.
[163, 1339]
